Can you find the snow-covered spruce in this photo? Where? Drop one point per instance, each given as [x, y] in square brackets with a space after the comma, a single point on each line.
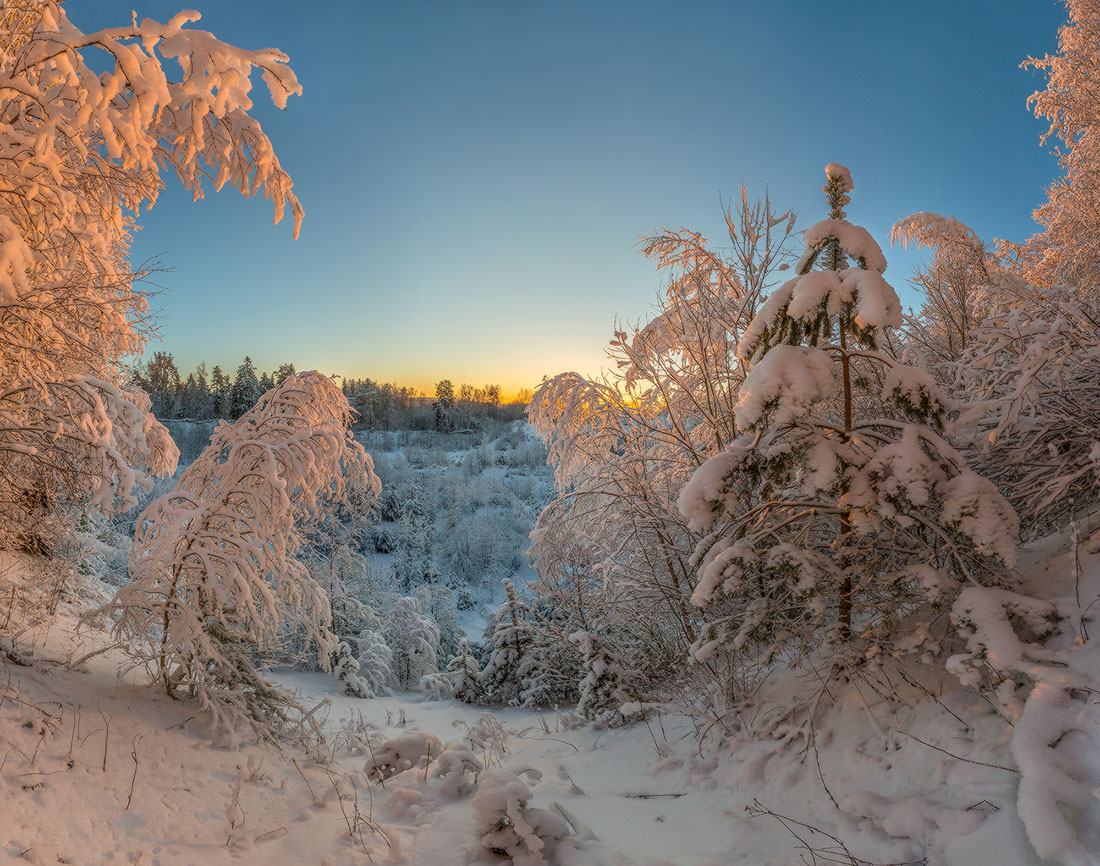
[512, 639]
[603, 689]
[464, 674]
[841, 516]
[214, 569]
[346, 670]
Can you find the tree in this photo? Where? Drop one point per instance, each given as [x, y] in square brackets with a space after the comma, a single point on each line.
[842, 512]
[955, 283]
[414, 638]
[84, 145]
[444, 404]
[602, 691]
[164, 385]
[219, 393]
[284, 372]
[346, 670]
[613, 540]
[197, 400]
[215, 574]
[512, 638]
[1068, 249]
[465, 677]
[246, 389]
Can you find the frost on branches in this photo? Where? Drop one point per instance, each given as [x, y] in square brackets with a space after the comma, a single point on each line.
[215, 576]
[82, 149]
[842, 515]
[613, 545]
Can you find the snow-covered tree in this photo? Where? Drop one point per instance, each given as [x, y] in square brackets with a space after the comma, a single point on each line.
[512, 638]
[376, 658]
[603, 689]
[413, 637]
[215, 574]
[842, 511]
[91, 121]
[1032, 373]
[1068, 249]
[346, 670]
[623, 448]
[464, 675]
[956, 284]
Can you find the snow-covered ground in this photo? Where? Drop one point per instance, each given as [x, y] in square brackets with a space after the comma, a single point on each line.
[97, 767]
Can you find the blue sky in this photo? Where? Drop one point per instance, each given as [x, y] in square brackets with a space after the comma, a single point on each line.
[476, 174]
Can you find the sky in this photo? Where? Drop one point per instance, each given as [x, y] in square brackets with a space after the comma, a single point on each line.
[476, 175]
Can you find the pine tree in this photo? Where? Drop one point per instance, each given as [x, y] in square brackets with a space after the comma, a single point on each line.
[246, 389]
[841, 512]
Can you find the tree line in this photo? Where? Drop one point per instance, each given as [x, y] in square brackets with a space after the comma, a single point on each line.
[207, 394]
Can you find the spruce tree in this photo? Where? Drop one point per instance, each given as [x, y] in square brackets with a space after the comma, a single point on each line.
[464, 675]
[219, 393]
[841, 511]
[246, 389]
[512, 639]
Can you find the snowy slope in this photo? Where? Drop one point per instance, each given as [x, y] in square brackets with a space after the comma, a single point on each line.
[931, 778]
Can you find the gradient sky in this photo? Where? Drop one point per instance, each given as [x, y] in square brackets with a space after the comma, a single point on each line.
[476, 174]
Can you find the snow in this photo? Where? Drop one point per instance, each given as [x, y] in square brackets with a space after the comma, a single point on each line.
[946, 779]
[784, 385]
[836, 171]
[855, 240]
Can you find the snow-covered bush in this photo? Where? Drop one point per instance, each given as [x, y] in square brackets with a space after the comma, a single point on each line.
[841, 515]
[1047, 695]
[509, 826]
[435, 687]
[1032, 373]
[214, 566]
[413, 749]
[459, 770]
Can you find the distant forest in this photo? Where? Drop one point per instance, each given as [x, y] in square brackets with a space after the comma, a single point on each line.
[381, 405]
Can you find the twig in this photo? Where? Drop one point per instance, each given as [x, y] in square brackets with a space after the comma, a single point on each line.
[263, 836]
[133, 778]
[959, 757]
[304, 779]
